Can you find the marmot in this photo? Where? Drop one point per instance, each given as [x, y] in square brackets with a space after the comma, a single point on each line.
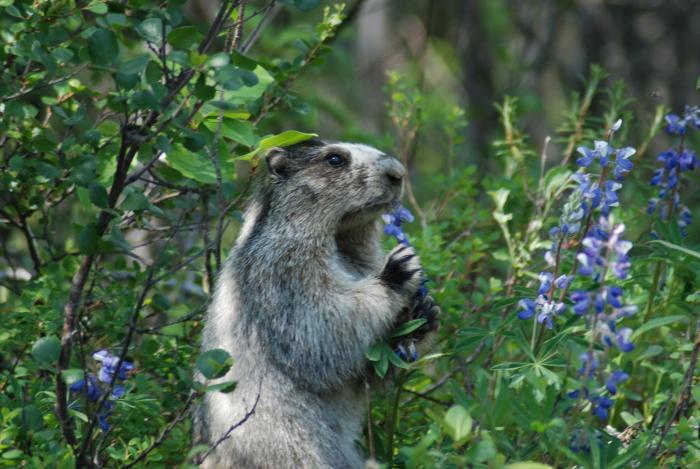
[305, 291]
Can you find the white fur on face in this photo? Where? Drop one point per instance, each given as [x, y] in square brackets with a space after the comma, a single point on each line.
[361, 154]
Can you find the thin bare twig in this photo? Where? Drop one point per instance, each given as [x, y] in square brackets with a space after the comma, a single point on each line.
[164, 434]
[236, 425]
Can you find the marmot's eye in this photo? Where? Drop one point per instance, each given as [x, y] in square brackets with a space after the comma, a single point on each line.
[335, 159]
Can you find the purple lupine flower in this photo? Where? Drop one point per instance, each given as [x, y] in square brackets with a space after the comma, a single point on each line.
[601, 151]
[393, 221]
[675, 162]
[542, 307]
[684, 219]
[581, 302]
[677, 125]
[109, 365]
[589, 191]
[622, 163]
[589, 364]
[547, 310]
[601, 405]
[527, 308]
[614, 379]
[623, 339]
[108, 368]
[93, 390]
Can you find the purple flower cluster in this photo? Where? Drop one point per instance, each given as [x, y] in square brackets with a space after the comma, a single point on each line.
[600, 403]
[602, 194]
[542, 307]
[677, 125]
[604, 251]
[393, 222]
[674, 162]
[106, 373]
[601, 259]
[591, 193]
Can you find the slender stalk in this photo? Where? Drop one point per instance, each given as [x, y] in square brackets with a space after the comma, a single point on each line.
[393, 416]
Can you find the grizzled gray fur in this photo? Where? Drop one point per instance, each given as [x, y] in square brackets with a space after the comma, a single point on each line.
[305, 291]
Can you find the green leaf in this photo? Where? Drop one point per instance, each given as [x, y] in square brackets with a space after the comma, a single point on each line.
[225, 387]
[184, 37]
[99, 8]
[135, 201]
[285, 139]
[98, 195]
[408, 327]
[658, 322]
[214, 363]
[151, 30]
[374, 353]
[87, 239]
[192, 165]
[458, 424]
[527, 465]
[31, 417]
[499, 198]
[136, 65]
[219, 60]
[555, 179]
[677, 248]
[382, 366]
[72, 375]
[12, 454]
[103, 47]
[46, 350]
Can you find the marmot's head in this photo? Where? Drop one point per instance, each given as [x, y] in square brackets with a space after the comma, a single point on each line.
[335, 182]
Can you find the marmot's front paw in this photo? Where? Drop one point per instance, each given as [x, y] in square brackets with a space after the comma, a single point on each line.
[402, 271]
[425, 307]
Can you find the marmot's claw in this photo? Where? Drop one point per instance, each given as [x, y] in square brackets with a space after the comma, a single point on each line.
[402, 271]
[425, 307]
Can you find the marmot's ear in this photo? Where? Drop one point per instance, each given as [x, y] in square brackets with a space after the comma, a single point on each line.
[277, 162]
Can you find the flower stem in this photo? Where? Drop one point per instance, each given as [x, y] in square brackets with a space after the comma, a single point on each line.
[652, 292]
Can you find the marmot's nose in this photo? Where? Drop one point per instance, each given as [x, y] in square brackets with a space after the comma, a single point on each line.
[394, 170]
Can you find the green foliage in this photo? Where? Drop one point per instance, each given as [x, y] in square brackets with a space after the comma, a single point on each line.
[128, 136]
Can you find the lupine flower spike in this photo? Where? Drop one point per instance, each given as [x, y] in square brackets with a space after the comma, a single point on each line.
[392, 226]
[674, 162]
[108, 368]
